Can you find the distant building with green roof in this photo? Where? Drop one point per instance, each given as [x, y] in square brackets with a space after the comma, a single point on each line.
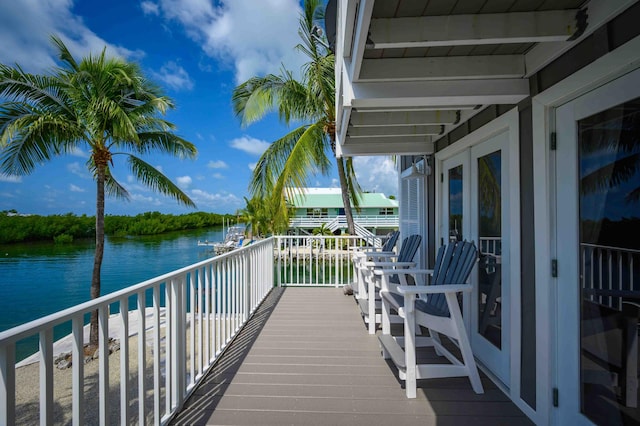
[314, 206]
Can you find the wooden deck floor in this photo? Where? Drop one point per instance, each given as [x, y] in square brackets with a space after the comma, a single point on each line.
[306, 359]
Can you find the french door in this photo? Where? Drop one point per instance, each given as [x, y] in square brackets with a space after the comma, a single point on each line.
[597, 237]
[475, 206]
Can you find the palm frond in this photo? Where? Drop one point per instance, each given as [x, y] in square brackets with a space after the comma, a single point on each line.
[611, 174]
[113, 188]
[155, 180]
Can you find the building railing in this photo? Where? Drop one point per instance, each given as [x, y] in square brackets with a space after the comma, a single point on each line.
[184, 321]
[610, 275]
[368, 221]
[318, 260]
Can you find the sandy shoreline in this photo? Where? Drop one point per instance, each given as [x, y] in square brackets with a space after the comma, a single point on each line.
[28, 378]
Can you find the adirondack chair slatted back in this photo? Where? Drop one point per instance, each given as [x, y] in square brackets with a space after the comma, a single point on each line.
[391, 241]
[407, 253]
[454, 263]
[409, 248]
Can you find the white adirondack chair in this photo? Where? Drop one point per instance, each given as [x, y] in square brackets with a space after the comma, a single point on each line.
[370, 253]
[436, 308]
[389, 261]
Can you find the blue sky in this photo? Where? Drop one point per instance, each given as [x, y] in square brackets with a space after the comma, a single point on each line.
[198, 51]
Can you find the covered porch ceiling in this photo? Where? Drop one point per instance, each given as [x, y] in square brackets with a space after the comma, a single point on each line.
[410, 71]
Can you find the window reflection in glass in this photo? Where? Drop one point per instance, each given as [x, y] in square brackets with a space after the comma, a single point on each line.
[490, 246]
[455, 204]
[609, 164]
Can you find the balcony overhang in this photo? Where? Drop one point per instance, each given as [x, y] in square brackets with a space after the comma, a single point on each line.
[409, 72]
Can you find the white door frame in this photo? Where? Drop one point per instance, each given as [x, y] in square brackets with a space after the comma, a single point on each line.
[498, 360]
[604, 97]
[610, 66]
[508, 122]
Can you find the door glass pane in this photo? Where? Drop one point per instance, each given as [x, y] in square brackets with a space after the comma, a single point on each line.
[455, 204]
[609, 163]
[490, 246]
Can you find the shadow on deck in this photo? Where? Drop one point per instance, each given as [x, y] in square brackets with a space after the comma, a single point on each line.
[306, 358]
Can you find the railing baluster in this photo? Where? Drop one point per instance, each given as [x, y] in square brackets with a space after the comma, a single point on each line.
[46, 376]
[124, 361]
[103, 363]
[200, 324]
[208, 279]
[156, 355]
[168, 346]
[142, 356]
[191, 320]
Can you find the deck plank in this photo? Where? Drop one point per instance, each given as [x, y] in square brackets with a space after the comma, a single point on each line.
[306, 358]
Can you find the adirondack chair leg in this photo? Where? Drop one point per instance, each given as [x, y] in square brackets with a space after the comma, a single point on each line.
[410, 346]
[386, 318]
[465, 346]
[372, 304]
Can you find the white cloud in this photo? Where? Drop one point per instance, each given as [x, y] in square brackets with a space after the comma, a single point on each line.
[150, 8]
[203, 198]
[252, 166]
[152, 201]
[255, 37]
[74, 188]
[10, 178]
[249, 145]
[217, 176]
[78, 170]
[184, 181]
[218, 164]
[25, 30]
[376, 174]
[77, 152]
[174, 76]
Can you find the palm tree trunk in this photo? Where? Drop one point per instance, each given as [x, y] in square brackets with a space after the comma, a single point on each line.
[97, 260]
[351, 229]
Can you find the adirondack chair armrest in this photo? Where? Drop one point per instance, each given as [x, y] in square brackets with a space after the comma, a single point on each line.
[410, 271]
[433, 289]
[390, 266]
[403, 270]
[379, 253]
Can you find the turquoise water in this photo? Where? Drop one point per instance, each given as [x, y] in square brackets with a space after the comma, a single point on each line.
[38, 279]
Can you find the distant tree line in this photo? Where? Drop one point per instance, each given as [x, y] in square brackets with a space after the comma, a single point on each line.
[65, 228]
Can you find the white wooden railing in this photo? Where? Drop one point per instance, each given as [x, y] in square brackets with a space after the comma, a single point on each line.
[185, 319]
[368, 221]
[318, 260]
[610, 275]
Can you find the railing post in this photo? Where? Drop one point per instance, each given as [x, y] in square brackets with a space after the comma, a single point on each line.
[46, 377]
[7, 384]
[124, 361]
[178, 331]
[142, 356]
[279, 254]
[103, 363]
[77, 368]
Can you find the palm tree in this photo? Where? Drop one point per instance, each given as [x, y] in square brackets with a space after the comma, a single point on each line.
[102, 104]
[290, 160]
